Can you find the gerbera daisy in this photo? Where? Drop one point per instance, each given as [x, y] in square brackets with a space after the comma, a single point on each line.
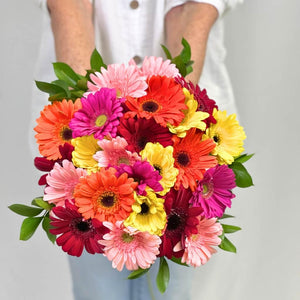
[148, 214]
[104, 196]
[192, 119]
[127, 246]
[144, 174]
[99, 115]
[228, 136]
[46, 165]
[84, 149]
[126, 80]
[53, 127]
[75, 232]
[161, 158]
[61, 182]
[213, 192]
[141, 131]
[164, 102]
[157, 66]
[181, 220]
[114, 153]
[198, 248]
[192, 159]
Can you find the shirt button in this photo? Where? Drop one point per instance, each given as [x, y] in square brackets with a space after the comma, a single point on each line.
[134, 4]
[137, 59]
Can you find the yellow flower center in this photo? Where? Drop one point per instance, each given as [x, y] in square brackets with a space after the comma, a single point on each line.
[127, 238]
[100, 121]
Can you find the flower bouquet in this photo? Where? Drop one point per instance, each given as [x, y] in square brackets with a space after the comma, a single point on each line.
[140, 165]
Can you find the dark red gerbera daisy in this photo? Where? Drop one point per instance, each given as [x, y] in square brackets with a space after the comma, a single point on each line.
[139, 132]
[76, 232]
[182, 221]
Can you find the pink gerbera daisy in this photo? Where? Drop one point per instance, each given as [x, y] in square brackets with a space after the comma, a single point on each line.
[198, 247]
[61, 182]
[213, 192]
[76, 232]
[114, 153]
[99, 115]
[125, 79]
[130, 247]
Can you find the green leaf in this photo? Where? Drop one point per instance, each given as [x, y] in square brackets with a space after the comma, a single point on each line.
[180, 65]
[82, 84]
[46, 226]
[96, 61]
[24, 210]
[65, 73]
[50, 88]
[41, 203]
[137, 273]
[242, 177]
[177, 260]
[76, 94]
[243, 158]
[63, 85]
[227, 245]
[57, 97]
[225, 216]
[186, 51]
[230, 228]
[28, 227]
[163, 275]
[167, 52]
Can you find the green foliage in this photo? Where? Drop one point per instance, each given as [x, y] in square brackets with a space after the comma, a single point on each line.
[242, 177]
[230, 228]
[163, 275]
[227, 245]
[41, 203]
[29, 227]
[25, 210]
[137, 273]
[46, 226]
[225, 216]
[243, 158]
[96, 61]
[178, 261]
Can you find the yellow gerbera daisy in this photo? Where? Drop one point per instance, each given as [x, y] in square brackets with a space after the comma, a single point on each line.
[148, 214]
[192, 117]
[228, 136]
[82, 156]
[161, 158]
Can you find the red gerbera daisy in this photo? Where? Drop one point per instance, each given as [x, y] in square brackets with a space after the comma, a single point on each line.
[76, 232]
[192, 158]
[164, 102]
[182, 221]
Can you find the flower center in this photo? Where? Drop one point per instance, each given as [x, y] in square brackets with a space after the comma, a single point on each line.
[144, 209]
[150, 106]
[107, 199]
[174, 221]
[216, 139]
[183, 159]
[207, 190]
[127, 238]
[66, 133]
[158, 168]
[141, 142]
[123, 160]
[83, 226]
[100, 121]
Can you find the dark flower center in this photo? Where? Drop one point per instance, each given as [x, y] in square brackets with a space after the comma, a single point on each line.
[142, 141]
[183, 159]
[158, 168]
[176, 222]
[66, 134]
[150, 106]
[216, 139]
[83, 226]
[107, 199]
[144, 208]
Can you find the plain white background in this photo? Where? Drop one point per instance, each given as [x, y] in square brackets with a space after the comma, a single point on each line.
[262, 39]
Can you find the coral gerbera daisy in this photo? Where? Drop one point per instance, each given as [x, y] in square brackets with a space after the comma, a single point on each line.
[161, 158]
[198, 248]
[99, 115]
[75, 232]
[126, 80]
[104, 196]
[148, 214]
[141, 131]
[130, 247]
[164, 102]
[192, 159]
[181, 220]
[84, 149]
[228, 136]
[61, 182]
[213, 192]
[192, 119]
[53, 127]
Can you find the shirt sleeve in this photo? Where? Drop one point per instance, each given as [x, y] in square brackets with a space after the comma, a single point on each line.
[220, 5]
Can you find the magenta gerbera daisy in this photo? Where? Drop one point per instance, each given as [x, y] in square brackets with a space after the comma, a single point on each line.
[130, 247]
[75, 232]
[141, 131]
[143, 173]
[99, 115]
[126, 80]
[213, 193]
[181, 221]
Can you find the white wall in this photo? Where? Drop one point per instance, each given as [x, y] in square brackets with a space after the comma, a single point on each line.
[263, 59]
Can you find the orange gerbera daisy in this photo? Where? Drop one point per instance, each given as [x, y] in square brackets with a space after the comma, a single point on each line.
[192, 159]
[104, 196]
[164, 102]
[53, 127]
